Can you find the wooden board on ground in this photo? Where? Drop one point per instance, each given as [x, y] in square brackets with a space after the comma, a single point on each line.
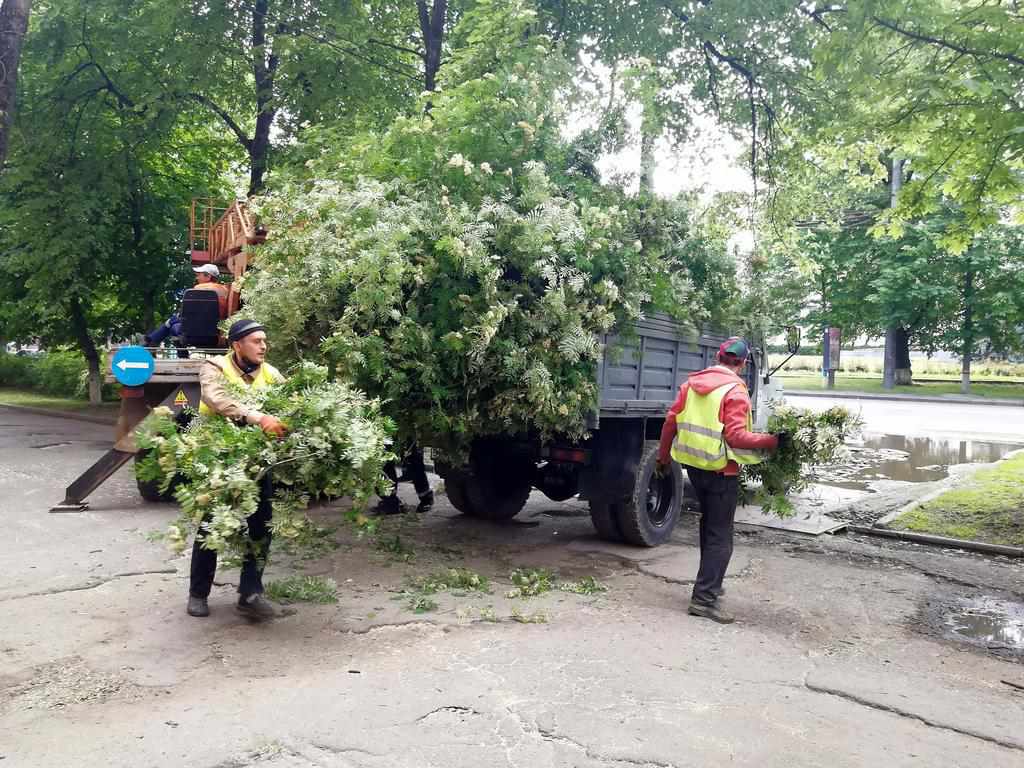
[812, 508]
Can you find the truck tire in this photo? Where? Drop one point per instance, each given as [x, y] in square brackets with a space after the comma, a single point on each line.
[493, 496]
[606, 520]
[455, 488]
[648, 518]
[150, 489]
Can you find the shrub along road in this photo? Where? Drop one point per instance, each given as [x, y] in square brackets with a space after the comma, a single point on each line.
[837, 659]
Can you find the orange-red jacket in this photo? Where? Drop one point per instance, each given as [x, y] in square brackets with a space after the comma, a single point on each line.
[733, 414]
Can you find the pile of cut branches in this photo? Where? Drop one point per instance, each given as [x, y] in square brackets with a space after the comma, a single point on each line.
[337, 444]
[815, 439]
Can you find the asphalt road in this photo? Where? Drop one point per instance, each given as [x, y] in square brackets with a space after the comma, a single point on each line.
[836, 660]
[953, 421]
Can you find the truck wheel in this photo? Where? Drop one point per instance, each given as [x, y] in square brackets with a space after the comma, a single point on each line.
[493, 497]
[606, 520]
[648, 518]
[150, 489]
[455, 488]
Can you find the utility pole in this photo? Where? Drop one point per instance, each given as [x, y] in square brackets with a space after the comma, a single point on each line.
[889, 365]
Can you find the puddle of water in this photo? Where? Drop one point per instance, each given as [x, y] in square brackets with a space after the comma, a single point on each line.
[908, 459]
[988, 622]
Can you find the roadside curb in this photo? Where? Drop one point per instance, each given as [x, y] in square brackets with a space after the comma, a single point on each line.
[62, 414]
[956, 399]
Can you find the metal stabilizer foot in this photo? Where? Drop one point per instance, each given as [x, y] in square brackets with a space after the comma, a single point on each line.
[66, 506]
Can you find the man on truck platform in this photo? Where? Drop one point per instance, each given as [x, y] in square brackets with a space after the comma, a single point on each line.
[708, 430]
[246, 366]
[207, 279]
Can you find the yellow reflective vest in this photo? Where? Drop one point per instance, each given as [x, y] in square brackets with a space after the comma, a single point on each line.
[700, 433]
[265, 376]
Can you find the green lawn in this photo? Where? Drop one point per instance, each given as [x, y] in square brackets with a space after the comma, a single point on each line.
[989, 507]
[9, 396]
[866, 384]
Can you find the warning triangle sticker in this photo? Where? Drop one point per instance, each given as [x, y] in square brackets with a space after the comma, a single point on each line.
[180, 399]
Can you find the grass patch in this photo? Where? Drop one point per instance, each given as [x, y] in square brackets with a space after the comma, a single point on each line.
[989, 507]
[924, 388]
[11, 396]
[303, 589]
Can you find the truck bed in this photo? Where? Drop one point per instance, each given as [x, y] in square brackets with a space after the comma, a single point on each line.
[640, 375]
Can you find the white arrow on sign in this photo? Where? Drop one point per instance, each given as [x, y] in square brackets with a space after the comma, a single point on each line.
[124, 365]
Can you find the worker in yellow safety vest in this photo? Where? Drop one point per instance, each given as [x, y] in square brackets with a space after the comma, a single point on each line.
[246, 366]
[708, 430]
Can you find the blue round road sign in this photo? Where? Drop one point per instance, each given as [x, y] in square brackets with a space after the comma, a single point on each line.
[132, 366]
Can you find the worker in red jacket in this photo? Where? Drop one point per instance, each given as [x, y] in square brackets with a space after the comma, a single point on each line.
[709, 431]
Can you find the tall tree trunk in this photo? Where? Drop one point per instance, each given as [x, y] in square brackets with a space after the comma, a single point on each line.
[136, 201]
[889, 376]
[264, 68]
[647, 160]
[432, 29]
[80, 329]
[13, 27]
[904, 375]
[967, 338]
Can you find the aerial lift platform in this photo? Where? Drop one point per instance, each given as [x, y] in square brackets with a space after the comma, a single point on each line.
[217, 235]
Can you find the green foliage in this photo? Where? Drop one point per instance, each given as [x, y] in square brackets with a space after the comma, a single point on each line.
[17, 371]
[456, 580]
[303, 589]
[528, 618]
[61, 373]
[937, 84]
[588, 585]
[337, 446]
[815, 438]
[453, 266]
[532, 582]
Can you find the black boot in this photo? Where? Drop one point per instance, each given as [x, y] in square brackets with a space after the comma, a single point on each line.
[197, 606]
[389, 505]
[426, 502]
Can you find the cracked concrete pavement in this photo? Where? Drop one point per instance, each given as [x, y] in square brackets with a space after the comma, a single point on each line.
[829, 663]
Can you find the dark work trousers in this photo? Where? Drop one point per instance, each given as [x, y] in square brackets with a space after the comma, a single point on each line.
[204, 561]
[414, 471]
[717, 495]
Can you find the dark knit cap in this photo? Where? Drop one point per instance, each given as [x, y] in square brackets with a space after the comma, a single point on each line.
[242, 328]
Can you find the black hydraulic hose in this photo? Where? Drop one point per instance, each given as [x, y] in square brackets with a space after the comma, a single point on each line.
[940, 541]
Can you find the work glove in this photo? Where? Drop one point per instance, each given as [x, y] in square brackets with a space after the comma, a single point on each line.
[660, 470]
[273, 426]
[784, 439]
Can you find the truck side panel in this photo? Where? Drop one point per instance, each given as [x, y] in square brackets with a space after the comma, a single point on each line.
[640, 375]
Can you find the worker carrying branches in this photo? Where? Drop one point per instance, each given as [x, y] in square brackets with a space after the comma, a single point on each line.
[245, 365]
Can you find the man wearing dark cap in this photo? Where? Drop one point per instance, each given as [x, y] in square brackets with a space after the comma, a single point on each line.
[708, 430]
[244, 365]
